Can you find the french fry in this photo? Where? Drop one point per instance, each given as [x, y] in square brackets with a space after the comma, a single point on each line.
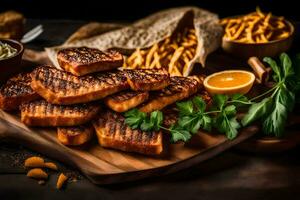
[263, 38]
[173, 53]
[192, 37]
[283, 35]
[256, 27]
[156, 59]
[280, 24]
[175, 72]
[239, 32]
[189, 54]
[150, 55]
[175, 57]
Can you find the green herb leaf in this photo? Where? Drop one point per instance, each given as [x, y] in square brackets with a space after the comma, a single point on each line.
[286, 64]
[147, 125]
[207, 123]
[227, 125]
[186, 122]
[230, 110]
[239, 100]
[153, 123]
[179, 134]
[199, 103]
[156, 118]
[185, 108]
[134, 118]
[274, 67]
[239, 97]
[220, 100]
[233, 125]
[195, 125]
[275, 122]
[257, 111]
[286, 98]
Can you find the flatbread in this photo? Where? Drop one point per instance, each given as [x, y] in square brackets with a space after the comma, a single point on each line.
[153, 29]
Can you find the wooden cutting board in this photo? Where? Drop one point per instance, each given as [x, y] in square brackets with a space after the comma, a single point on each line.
[105, 166]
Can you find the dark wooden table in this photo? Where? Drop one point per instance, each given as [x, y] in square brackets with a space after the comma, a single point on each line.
[232, 175]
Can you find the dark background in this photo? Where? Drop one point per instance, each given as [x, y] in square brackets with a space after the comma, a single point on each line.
[234, 174]
[129, 10]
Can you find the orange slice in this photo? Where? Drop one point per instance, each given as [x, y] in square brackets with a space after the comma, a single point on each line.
[229, 82]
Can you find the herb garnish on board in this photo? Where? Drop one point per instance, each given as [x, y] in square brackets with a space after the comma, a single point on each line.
[192, 117]
[271, 108]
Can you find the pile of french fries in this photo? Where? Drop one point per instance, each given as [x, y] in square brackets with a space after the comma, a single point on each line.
[173, 53]
[256, 27]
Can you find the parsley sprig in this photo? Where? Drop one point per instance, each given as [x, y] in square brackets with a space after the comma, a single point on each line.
[271, 108]
[193, 115]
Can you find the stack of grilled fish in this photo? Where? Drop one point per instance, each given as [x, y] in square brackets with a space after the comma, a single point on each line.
[89, 94]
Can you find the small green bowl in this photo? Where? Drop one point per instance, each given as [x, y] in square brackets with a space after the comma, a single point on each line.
[10, 66]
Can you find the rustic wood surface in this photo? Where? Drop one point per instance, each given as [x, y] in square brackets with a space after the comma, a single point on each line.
[233, 174]
[105, 166]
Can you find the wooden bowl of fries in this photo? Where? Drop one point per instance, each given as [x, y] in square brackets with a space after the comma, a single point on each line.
[257, 34]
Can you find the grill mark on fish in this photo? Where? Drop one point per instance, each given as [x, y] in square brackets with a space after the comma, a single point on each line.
[42, 113]
[83, 60]
[147, 79]
[178, 89]
[85, 55]
[177, 85]
[75, 135]
[123, 96]
[140, 135]
[125, 100]
[73, 130]
[147, 75]
[60, 87]
[111, 127]
[16, 91]
[122, 128]
[119, 135]
[18, 85]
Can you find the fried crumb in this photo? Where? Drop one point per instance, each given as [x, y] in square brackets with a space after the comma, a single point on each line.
[37, 173]
[61, 180]
[34, 161]
[51, 165]
[41, 182]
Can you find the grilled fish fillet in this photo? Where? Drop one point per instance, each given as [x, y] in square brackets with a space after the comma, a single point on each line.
[59, 87]
[125, 100]
[112, 132]
[42, 113]
[16, 91]
[179, 88]
[147, 79]
[83, 60]
[75, 135]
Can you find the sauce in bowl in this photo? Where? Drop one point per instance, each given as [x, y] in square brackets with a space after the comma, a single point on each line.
[6, 51]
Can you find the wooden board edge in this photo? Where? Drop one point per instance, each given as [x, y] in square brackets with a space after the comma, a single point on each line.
[104, 179]
[107, 179]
